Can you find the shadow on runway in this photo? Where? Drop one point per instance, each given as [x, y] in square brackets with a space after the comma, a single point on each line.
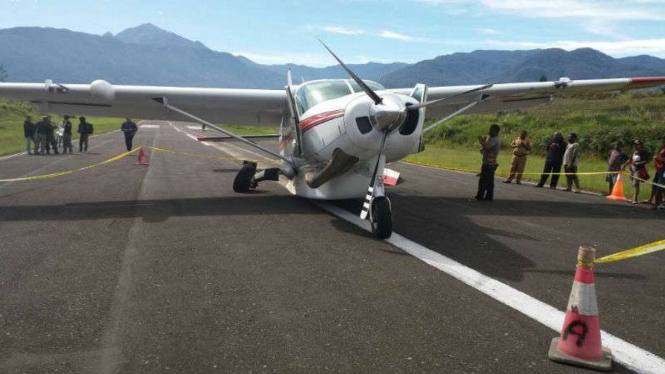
[448, 225]
[256, 203]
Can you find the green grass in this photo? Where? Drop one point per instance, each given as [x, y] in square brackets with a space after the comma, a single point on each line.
[599, 121]
[12, 115]
[469, 159]
[251, 130]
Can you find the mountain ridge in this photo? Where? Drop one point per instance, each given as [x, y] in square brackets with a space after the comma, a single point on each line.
[160, 57]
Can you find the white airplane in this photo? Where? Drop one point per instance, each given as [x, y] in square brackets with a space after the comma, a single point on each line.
[336, 135]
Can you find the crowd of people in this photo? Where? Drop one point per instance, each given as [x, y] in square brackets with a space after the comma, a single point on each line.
[565, 153]
[44, 136]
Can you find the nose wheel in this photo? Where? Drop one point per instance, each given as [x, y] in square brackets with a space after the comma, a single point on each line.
[381, 218]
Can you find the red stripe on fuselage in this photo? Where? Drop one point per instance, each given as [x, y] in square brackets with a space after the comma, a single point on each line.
[318, 119]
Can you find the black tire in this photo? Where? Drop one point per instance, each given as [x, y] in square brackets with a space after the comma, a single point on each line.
[382, 218]
[244, 179]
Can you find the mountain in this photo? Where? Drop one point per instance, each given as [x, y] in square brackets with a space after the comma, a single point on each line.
[32, 54]
[522, 66]
[644, 61]
[456, 69]
[148, 55]
[149, 34]
[583, 63]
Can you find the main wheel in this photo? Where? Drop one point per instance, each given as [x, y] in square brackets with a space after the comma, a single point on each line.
[382, 218]
[244, 179]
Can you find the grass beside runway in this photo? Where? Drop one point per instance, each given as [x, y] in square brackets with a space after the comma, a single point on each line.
[12, 115]
[466, 159]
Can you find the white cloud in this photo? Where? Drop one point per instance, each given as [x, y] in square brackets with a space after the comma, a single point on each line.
[343, 30]
[416, 39]
[619, 48]
[589, 9]
[394, 35]
[616, 10]
[489, 31]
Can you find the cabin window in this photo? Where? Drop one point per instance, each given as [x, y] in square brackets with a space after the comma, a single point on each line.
[373, 85]
[314, 93]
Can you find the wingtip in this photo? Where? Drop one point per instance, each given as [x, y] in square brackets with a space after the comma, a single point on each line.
[646, 81]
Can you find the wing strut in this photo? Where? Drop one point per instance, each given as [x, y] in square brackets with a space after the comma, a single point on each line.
[164, 101]
[456, 113]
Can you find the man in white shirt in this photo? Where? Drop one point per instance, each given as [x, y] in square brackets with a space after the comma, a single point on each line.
[570, 158]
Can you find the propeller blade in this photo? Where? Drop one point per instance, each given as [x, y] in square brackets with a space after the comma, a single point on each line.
[427, 103]
[289, 81]
[370, 190]
[377, 100]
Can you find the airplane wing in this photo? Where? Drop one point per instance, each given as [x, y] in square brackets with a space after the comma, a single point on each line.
[513, 96]
[227, 106]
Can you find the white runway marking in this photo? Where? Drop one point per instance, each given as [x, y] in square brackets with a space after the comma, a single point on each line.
[194, 127]
[625, 353]
[150, 126]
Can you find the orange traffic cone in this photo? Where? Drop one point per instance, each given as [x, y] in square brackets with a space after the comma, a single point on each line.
[617, 190]
[142, 159]
[579, 343]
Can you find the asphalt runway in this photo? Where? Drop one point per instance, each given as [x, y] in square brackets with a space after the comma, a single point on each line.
[162, 268]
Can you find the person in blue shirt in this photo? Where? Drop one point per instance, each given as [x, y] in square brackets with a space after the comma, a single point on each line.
[67, 135]
[129, 129]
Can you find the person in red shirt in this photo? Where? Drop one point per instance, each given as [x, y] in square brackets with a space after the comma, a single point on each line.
[659, 178]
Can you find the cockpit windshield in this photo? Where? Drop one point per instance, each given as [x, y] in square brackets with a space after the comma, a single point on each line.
[313, 93]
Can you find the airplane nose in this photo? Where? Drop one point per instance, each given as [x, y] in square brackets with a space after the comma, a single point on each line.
[388, 115]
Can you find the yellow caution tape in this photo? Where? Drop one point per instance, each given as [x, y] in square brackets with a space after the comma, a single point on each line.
[635, 252]
[506, 173]
[647, 182]
[62, 173]
[123, 155]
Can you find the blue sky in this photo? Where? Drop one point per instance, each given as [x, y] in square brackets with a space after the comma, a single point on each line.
[366, 30]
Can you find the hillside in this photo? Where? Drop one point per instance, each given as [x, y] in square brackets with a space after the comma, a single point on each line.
[522, 66]
[149, 55]
[149, 34]
[36, 54]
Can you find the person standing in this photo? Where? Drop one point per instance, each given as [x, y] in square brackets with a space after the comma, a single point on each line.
[67, 135]
[570, 158]
[556, 147]
[638, 168]
[129, 129]
[85, 129]
[615, 159]
[490, 151]
[29, 133]
[41, 128]
[657, 191]
[521, 147]
[50, 137]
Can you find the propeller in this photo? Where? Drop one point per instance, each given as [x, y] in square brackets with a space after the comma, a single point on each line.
[377, 100]
[385, 118]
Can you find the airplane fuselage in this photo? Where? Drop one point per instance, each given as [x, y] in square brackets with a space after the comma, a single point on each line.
[346, 123]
